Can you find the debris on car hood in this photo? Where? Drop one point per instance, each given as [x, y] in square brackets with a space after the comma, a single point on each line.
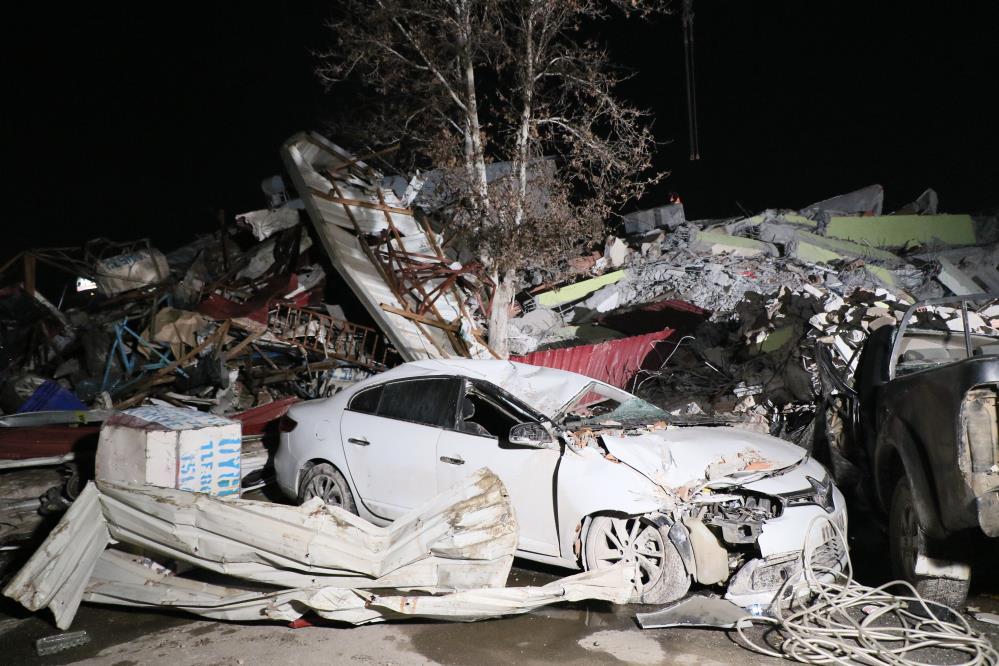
[674, 457]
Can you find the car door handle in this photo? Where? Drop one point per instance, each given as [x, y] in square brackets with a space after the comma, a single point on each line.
[360, 441]
[452, 461]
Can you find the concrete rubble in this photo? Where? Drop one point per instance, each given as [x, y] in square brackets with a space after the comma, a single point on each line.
[770, 287]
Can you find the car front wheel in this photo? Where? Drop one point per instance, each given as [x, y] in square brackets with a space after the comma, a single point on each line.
[662, 575]
[327, 483]
[906, 542]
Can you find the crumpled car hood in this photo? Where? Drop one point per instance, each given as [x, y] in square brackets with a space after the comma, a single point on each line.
[674, 457]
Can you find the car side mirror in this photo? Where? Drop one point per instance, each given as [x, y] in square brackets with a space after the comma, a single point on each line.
[533, 435]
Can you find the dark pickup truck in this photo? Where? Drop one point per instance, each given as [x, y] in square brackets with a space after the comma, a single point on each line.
[919, 422]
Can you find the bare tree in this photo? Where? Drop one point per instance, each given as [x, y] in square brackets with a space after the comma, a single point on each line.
[465, 84]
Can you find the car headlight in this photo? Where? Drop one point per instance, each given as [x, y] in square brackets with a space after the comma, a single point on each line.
[820, 494]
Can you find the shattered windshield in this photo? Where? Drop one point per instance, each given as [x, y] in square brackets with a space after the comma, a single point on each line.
[599, 405]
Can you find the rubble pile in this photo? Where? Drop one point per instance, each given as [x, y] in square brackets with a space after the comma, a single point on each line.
[711, 319]
[225, 324]
[771, 287]
[236, 322]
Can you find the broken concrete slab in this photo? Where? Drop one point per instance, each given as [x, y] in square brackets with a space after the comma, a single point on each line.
[865, 201]
[925, 204]
[977, 264]
[898, 231]
[577, 290]
[669, 216]
[532, 329]
[770, 219]
[815, 249]
[955, 279]
[718, 242]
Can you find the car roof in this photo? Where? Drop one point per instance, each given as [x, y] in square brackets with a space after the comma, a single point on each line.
[544, 389]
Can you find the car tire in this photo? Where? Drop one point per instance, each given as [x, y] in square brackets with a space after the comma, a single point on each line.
[327, 483]
[906, 541]
[663, 576]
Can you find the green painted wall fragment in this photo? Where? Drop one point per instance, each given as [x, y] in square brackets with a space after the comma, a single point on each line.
[775, 340]
[735, 244]
[574, 292]
[894, 231]
[589, 333]
[795, 218]
[819, 249]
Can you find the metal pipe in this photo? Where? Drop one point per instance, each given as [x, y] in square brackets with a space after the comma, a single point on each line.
[967, 333]
[36, 462]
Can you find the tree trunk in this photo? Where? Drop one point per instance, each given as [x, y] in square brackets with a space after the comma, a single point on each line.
[499, 316]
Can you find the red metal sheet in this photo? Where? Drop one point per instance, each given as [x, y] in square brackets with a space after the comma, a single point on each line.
[614, 362]
[256, 420]
[44, 441]
[220, 307]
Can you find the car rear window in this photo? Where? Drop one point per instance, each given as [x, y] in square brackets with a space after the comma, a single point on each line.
[366, 401]
[427, 401]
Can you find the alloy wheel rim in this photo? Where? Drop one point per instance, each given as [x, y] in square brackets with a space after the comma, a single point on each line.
[326, 489]
[631, 540]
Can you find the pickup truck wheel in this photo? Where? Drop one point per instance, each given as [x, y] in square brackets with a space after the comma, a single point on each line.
[327, 483]
[662, 575]
[907, 541]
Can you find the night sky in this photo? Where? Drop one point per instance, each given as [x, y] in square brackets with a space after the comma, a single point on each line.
[124, 123]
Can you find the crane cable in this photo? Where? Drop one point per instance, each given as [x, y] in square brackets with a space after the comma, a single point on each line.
[688, 52]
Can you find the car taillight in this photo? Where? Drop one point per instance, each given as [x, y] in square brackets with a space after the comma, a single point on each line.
[287, 424]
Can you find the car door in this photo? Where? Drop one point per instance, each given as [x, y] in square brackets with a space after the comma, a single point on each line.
[390, 434]
[527, 473]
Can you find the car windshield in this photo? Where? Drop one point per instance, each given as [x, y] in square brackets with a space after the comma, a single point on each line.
[600, 405]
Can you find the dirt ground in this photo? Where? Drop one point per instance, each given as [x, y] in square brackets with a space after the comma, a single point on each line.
[592, 633]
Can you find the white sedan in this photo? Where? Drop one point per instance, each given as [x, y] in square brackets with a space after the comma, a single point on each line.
[595, 474]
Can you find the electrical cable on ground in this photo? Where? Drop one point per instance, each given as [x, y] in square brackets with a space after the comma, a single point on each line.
[844, 622]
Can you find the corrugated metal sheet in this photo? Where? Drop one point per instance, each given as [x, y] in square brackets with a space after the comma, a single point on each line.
[44, 440]
[256, 420]
[614, 362]
[333, 218]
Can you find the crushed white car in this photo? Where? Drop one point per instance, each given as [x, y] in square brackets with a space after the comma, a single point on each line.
[595, 474]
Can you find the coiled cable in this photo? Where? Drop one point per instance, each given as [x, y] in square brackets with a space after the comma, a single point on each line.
[844, 622]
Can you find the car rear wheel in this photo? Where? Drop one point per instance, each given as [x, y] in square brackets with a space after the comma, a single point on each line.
[662, 575]
[327, 483]
[906, 542]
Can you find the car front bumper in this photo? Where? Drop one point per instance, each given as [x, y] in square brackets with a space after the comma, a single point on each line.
[758, 580]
